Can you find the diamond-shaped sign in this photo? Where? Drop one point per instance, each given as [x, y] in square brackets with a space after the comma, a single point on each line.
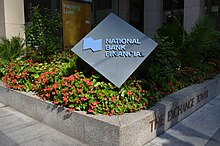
[115, 49]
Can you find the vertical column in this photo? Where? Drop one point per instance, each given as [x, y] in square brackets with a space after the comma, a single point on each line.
[124, 9]
[11, 18]
[2, 19]
[193, 9]
[153, 16]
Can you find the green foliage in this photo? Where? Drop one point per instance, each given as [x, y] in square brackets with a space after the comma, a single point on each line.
[59, 82]
[10, 49]
[173, 32]
[43, 33]
[165, 63]
[202, 43]
[183, 58]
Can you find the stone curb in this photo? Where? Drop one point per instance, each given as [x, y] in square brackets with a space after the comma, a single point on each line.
[124, 130]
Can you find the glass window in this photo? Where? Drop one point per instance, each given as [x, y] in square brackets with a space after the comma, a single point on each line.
[173, 8]
[213, 10]
[137, 14]
[101, 8]
[50, 4]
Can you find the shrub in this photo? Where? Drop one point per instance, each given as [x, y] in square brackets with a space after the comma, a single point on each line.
[174, 32]
[202, 43]
[43, 33]
[10, 49]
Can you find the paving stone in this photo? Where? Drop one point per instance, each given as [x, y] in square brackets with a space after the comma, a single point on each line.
[17, 129]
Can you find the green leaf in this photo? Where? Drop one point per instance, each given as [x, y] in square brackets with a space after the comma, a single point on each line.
[36, 76]
[71, 105]
[97, 84]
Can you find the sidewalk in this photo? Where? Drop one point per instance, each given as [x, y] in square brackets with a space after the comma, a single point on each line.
[17, 129]
[202, 128]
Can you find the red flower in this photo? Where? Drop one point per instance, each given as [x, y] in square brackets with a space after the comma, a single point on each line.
[70, 78]
[79, 90]
[155, 88]
[65, 99]
[90, 110]
[55, 86]
[55, 101]
[145, 104]
[83, 99]
[113, 99]
[93, 104]
[87, 81]
[64, 93]
[129, 92]
[71, 109]
[111, 87]
[29, 61]
[170, 83]
[47, 95]
[69, 86]
[138, 99]
[13, 81]
[63, 84]
[71, 93]
[8, 86]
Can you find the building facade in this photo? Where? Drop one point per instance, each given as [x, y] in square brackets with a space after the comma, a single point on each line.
[80, 16]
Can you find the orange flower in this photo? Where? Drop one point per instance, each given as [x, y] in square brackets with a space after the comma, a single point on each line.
[129, 92]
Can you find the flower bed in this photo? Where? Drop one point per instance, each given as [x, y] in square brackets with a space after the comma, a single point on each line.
[58, 81]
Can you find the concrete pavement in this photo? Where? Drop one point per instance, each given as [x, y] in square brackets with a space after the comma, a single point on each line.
[17, 129]
[201, 128]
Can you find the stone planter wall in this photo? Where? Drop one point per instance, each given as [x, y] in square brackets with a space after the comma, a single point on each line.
[124, 130]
